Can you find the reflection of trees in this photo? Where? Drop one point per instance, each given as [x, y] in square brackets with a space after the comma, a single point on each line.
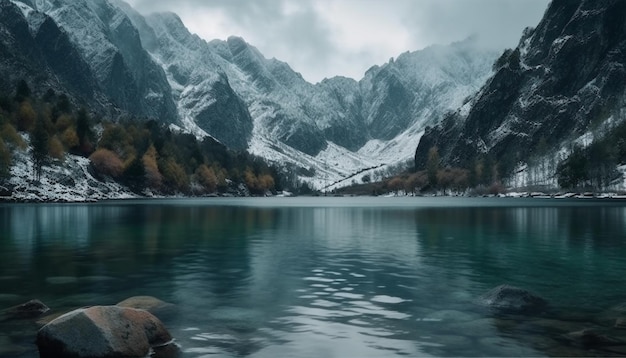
[522, 245]
[124, 240]
[572, 256]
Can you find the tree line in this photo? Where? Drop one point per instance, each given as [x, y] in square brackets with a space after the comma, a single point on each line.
[143, 155]
[594, 167]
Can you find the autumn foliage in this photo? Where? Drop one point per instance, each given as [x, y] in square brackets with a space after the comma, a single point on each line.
[108, 163]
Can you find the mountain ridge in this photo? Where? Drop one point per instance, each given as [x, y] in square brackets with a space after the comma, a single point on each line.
[228, 90]
[561, 81]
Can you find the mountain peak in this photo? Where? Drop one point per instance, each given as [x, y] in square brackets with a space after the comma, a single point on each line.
[565, 75]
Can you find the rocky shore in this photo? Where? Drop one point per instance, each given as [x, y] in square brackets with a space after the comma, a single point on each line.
[506, 321]
[131, 328]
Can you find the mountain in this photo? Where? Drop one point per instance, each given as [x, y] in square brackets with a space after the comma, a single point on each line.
[151, 66]
[110, 45]
[563, 84]
[333, 128]
[34, 48]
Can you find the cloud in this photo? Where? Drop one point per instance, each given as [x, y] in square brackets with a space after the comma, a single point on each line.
[323, 38]
[498, 23]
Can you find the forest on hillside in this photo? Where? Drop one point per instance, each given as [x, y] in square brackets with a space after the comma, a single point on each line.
[144, 155]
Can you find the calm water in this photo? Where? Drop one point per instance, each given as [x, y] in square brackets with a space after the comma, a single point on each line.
[323, 277]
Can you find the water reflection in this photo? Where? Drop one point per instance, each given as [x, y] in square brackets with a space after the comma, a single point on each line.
[372, 277]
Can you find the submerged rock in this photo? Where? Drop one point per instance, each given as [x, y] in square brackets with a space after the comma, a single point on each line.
[102, 331]
[163, 310]
[511, 299]
[30, 309]
[592, 338]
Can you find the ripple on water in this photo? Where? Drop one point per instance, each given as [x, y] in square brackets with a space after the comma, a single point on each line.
[315, 336]
[348, 295]
[368, 308]
[318, 279]
[388, 299]
[321, 312]
[324, 303]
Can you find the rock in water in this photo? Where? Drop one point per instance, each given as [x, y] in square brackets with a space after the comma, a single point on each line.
[102, 331]
[163, 310]
[511, 299]
[592, 338]
[30, 309]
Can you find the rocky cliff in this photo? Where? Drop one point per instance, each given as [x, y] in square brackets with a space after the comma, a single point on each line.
[565, 79]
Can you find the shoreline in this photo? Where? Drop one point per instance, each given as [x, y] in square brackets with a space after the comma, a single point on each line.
[614, 197]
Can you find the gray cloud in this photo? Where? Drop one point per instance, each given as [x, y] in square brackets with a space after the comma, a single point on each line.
[323, 38]
[498, 23]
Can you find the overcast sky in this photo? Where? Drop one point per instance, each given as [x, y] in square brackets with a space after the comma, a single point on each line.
[324, 38]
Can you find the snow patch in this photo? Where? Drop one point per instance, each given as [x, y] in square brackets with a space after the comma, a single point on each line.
[69, 181]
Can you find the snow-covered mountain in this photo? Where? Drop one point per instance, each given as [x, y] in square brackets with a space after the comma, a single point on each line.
[34, 48]
[564, 84]
[153, 67]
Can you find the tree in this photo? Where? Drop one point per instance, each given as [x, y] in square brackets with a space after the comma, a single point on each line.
[432, 166]
[39, 141]
[70, 138]
[207, 178]
[396, 184]
[174, 174]
[22, 91]
[55, 148]
[26, 117]
[10, 136]
[63, 104]
[106, 162]
[251, 180]
[574, 170]
[135, 174]
[445, 179]
[154, 179]
[416, 182]
[84, 132]
[266, 182]
[5, 160]
[460, 180]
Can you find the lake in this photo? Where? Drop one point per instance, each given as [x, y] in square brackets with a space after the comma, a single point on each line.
[326, 277]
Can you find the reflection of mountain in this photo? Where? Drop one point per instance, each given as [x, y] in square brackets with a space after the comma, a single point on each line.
[267, 277]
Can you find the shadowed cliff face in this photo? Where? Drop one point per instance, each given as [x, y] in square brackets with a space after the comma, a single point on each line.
[226, 118]
[38, 51]
[565, 76]
[112, 48]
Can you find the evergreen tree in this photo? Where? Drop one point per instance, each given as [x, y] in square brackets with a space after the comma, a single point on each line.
[22, 92]
[135, 175]
[432, 166]
[5, 160]
[574, 170]
[83, 129]
[39, 142]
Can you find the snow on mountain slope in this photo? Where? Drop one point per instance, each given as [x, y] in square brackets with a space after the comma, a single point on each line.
[70, 181]
[229, 90]
[563, 81]
[371, 122]
[110, 44]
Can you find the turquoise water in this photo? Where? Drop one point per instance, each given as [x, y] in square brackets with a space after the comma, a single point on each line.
[325, 277]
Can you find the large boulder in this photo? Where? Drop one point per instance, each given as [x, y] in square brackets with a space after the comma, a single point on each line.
[511, 299]
[163, 310]
[102, 331]
[30, 309]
